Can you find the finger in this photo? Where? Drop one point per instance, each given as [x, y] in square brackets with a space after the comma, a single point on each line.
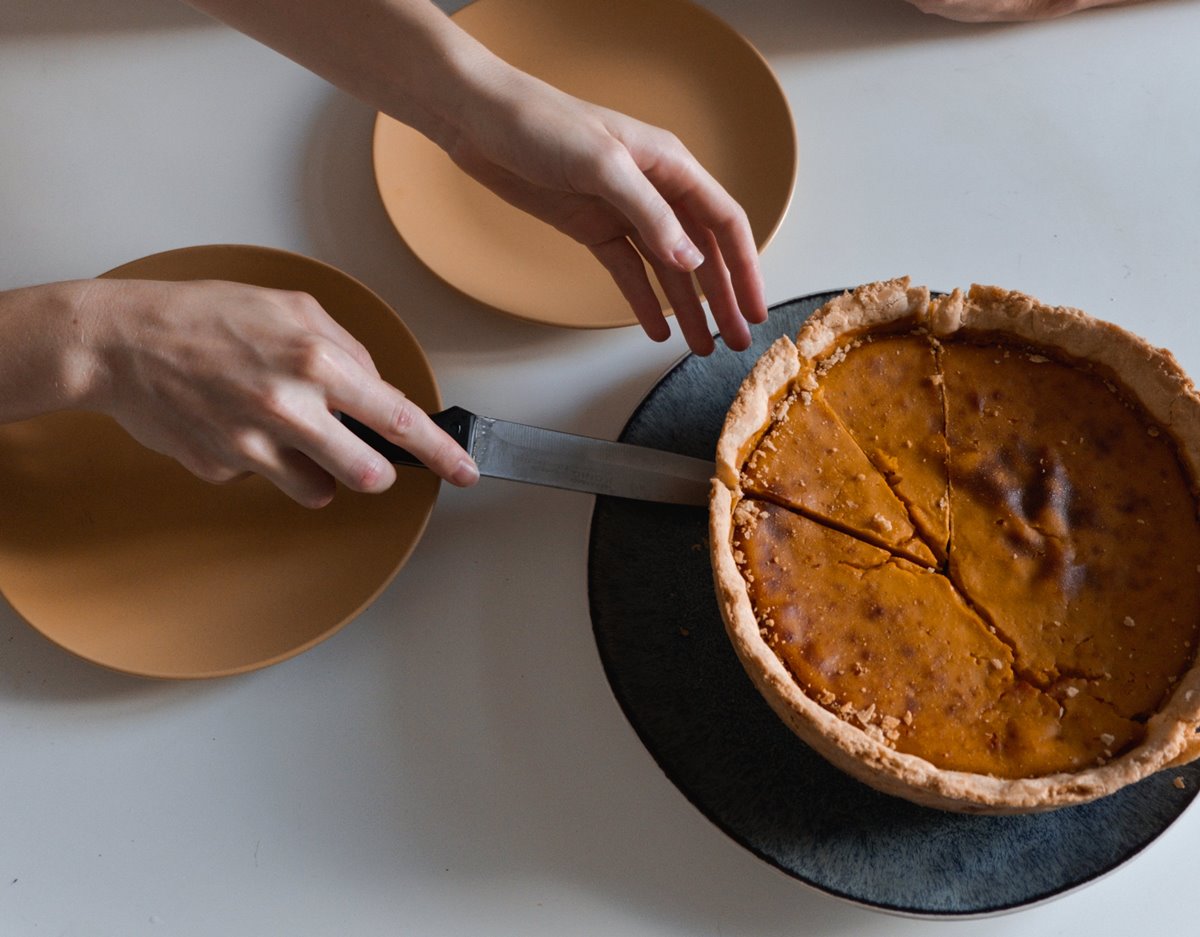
[387, 411]
[315, 316]
[620, 181]
[628, 270]
[711, 207]
[301, 479]
[316, 432]
[699, 196]
[289, 470]
[352, 461]
[681, 294]
[713, 277]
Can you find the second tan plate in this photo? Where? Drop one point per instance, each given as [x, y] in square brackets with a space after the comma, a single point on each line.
[667, 62]
[124, 558]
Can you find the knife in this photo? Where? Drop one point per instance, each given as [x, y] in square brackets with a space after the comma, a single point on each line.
[560, 460]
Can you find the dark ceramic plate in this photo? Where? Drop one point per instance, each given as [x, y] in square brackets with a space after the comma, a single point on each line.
[664, 649]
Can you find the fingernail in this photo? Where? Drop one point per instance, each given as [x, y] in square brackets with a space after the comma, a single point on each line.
[687, 255]
[465, 473]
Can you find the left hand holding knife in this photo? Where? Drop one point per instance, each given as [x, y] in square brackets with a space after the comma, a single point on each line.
[225, 378]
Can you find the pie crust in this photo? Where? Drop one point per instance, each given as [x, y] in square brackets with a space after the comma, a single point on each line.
[1147, 376]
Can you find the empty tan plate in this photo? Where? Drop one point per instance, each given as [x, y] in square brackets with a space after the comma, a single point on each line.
[124, 558]
[667, 62]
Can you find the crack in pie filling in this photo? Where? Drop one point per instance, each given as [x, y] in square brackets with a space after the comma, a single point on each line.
[956, 546]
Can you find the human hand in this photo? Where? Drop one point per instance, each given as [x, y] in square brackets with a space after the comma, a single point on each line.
[230, 379]
[981, 11]
[624, 189]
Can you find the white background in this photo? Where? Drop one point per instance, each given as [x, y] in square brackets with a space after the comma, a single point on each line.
[453, 762]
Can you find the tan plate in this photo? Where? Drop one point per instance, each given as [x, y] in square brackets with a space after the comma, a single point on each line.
[667, 62]
[122, 557]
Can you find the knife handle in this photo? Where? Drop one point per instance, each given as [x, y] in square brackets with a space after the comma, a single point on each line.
[456, 421]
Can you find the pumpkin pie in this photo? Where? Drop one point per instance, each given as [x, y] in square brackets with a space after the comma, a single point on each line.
[956, 546]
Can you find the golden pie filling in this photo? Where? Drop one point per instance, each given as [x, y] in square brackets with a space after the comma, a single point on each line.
[963, 545]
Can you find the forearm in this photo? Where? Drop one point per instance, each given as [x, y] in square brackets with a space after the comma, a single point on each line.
[403, 57]
[47, 361]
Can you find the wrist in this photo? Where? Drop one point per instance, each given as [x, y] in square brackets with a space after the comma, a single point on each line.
[80, 308]
[48, 356]
[458, 84]
[86, 365]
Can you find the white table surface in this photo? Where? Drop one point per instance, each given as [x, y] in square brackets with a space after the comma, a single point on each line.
[453, 762]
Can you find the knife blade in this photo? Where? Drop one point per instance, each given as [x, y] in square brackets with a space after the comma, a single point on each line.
[540, 456]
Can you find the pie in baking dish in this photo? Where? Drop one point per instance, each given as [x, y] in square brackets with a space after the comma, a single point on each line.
[956, 546]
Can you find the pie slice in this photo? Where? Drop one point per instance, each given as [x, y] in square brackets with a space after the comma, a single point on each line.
[810, 462]
[903, 434]
[1051, 659]
[795, 450]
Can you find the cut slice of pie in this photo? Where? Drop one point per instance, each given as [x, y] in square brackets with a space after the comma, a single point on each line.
[903, 434]
[1051, 659]
[809, 461]
[799, 452]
